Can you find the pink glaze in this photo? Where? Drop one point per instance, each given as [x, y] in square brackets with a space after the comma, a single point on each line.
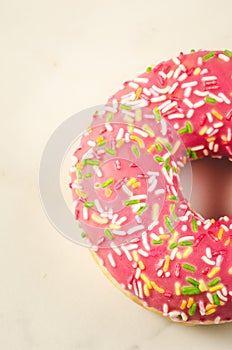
[178, 262]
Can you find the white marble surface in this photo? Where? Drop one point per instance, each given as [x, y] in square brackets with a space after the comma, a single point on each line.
[57, 58]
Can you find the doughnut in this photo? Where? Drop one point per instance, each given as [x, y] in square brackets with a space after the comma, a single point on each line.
[127, 194]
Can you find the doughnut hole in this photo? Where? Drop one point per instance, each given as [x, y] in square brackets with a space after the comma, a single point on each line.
[211, 194]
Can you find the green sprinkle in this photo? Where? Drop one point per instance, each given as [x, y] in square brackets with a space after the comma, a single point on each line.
[141, 210]
[156, 242]
[193, 309]
[194, 155]
[91, 162]
[159, 159]
[157, 114]
[216, 299]
[169, 227]
[192, 281]
[88, 175]
[189, 267]
[109, 117]
[228, 53]
[190, 291]
[83, 235]
[108, 233]
[122, 106]
[130, 128]
[194, 225]
[172, 209]
[182, 131]
[214, 282]
[158, 147]
[169, 147]
[138, 115]
[110, 151]
[173, 198]
[136, 151]
[107, 182]
[167, 167]
[185, 244]
[89, 204]
[79, 175]
[206, 57]
[210, 100]
[148, 69]
[101, 143]
[131, 202]
[189, 127]
[192, 50]
[173, 245]
[188, 152]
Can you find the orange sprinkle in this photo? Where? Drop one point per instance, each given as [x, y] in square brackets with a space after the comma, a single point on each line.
[165, 236]
[215, 288]
[166, 264]
[217, 115]
[108, 192]
[210, 306]
[220, 233]
[211, 139]
[211, 311]
[213, 272]
[183, 304]
[190, 302]
[157, 288]
[224, 138]
[151, 149]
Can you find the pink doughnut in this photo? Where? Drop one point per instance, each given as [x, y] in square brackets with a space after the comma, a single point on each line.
[146, 238]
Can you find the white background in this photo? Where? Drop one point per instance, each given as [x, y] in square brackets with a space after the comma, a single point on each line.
[57, 58]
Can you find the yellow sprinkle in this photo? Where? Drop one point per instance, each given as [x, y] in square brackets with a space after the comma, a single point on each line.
[217, 115]
[224, 138]
[209, 307]
[114, 226]
[79, 166]
[213, 272]
[227, 242]
[141, 265]
[138, 140]
[173, 238]
[146, 280]
[151, 149]
[215, 288]
[100, 139]
[138, 115]
[190, 302]
[187, 252]
[177, 288]
[211, 311]
[157, 288]
[131, 181]
[220, 233]
[179, 255]
[148, 130]
[230, 271]
[138, 93]
[183, 304]
[165, 236]
[166, 264]
[99, 219]
[119, 143]
[197, 71]
[203, 130]
[146, 290]
[136, 184]
[108, 192]
[81, 194]
[135, 255]
[202, 286]
[212, 220]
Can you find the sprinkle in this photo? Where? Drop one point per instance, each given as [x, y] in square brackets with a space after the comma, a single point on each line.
[135, 150]
[116, 249]
[146, 280]
[110, 151]
[157, 288]
[187, 252]
[197, 71]
[173, 88]
[111, 260]
[217, 320]
[88, 204]
[208, 56]
[223, 57]
[202, 286]
[190, 291]
[210, 100]
[189, 267]
[215, 288]
[85, 213]
[208, 261]
[138, 140]
[230, 271]
[108, 182]
[91, 162]
[141, 80]
[209, 78]
[220, 233]
[228, 53]
[193, 309]
[183, 304]
[131, 202]
[145, 242]
[140, 132]
[194, 225]
[161, 90]
[99, 219]
[135, 229]
[158, 99]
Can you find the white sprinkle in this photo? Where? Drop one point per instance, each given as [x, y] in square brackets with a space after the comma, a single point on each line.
[132, 246]
[116, 249]
[217, 320]
[224, 98]
[114, 218]
[165, 309]
[158, 98]
[210, 298]
[153, 185]
[209, 78]
[160, 273]
[127, 137]
[219, 260]
[216, 147]
[173, 253]
[98, 206]
[169, 106]
[140, 132]
[143, 253]
[187, 92]
[121, 220]
[135, 229]
[145, 242]
[170, 74]
[208, 253]
[120, 134]
[138, 219]
[161, 90]
[85, 213]
[141, 80]
[190, 113]
[152, 225]
[199, 61]
[177, 73]
[127, 253]
[168, 274]
[128, 113]
[224, 291]
[97, 171]
[176, 60]
[169, 180]
[140, 103]
[199, 104]
[201, 93]
[74, 161]
[183, 77]
[184, 316]
[127, 190]
[175, 116]
[173, 87]
[218, 99]
[159, 191]
[208, 261]
[109, 127]
[223, 57]
[154, 236]
[229, 134]
[222, 297]
[209, 131]
[207, 225]
[138, 196]
[209, 116]
[140, 289]
[189, 84]
[119, 233]
[186, 238]
[163, 75]
[146, 92]
[204, 71]
[137, 273]
[149, 116]
[133, 85]
[218, 125]
[202, 308]
[205, 152]
[135, 288]
[197, 148]
[184, 228]
[188, 102]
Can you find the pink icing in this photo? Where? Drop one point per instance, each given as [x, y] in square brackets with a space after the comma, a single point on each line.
[178, 263]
